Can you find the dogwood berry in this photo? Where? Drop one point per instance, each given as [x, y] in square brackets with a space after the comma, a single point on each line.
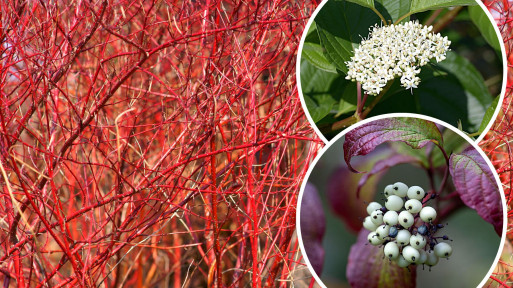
[394, 203]
[369, 225]
[395, 51]
[390, 218]
[402, 262]
[413, 206]
[400, 189]
[382, 231]
[374, 239]
[406, 219]
[403, 237]
[391, 250]
[416, 192]
[422, 230]
[428, 214]
[411, 254]
[377, 217]
[432, 259]
[404, 231]
[417, 241]
[389, 190]
[423, 257]
[373, 206]
[443, 250]
[392, 233]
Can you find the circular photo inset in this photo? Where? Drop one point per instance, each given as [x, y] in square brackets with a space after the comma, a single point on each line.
[403, 201]
[359, 59]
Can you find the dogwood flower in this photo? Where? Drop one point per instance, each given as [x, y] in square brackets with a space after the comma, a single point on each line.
[395, 51]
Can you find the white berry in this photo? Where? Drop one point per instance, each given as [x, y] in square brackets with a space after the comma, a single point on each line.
[394, 203]
[417, 241]
[405, 219]
[428, 214]
[423, 257]
[382, 231]
[416, 192]
[389, 191]
[374, 239]
[373, 206]
[369, 225]
[432, 259]
[390, 218]
[403, 237]
[443, 250]
[403, 263]
[391, 226]
[391, 250]
[413, 206]
[377, 217]
[400, 189]
[411, 254]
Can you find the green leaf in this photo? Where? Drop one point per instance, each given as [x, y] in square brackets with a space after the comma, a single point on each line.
[322, 90]
[452, 90]
[341, 26]
[348, 100]
[453, 143]
[485, 26]
[312, 30]
[478, 96]
[419, 154]
[365, 3]
[423, 5]
[313, 53]
[489, 114]
[393, 10]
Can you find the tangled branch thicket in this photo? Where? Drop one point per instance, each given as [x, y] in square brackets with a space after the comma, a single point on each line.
[151, 143]
[497, 143]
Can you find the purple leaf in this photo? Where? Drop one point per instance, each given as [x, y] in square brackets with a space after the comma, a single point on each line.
[343, 184]
[367, 268]
[382, 166]
[313, 226]
[413, 131]
[476, 186]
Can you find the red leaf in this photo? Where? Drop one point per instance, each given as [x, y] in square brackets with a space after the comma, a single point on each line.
[313, 227]
[413, 131]
[476, 186]
[367, 268]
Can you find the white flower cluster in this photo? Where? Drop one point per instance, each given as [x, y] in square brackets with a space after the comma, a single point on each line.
[407, 236]
[395, 51]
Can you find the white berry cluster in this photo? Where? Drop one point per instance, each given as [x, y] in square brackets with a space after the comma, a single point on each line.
[405, 228]
[395, 51]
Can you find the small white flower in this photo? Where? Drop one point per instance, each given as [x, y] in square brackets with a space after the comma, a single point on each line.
[395, 51]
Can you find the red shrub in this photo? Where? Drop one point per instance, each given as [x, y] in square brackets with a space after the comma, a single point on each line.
[150, 143]
[497, 143]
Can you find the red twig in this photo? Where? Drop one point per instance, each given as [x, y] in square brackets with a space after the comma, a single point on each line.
[151, 142]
